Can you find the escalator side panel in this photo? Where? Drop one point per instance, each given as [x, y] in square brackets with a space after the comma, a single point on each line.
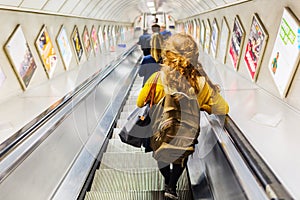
[43, 171]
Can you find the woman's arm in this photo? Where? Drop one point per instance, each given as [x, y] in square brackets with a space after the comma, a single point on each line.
[159, 93]
[212, 102]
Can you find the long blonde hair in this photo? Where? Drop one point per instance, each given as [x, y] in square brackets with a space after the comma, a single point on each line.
[156, 46]
[180, 58]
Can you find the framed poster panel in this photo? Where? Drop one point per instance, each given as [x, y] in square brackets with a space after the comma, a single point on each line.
[236, 42]
[20, 56]
[224, 39]
[256, 43]
[86, 42]
[95, 41]
[2, 77]
[100, 37]
[198, 32]
[64, 47]
[214, 38]
[76, 41]
[46, 51]
[207, 36]
[202, 34]
[285, 54]
[194, 24]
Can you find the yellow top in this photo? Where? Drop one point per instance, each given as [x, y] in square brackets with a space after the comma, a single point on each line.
[207, 102]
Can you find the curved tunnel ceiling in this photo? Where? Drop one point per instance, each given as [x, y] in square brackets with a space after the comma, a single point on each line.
[118, 10]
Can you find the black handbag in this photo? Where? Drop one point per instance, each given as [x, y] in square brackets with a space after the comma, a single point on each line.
[137, 128]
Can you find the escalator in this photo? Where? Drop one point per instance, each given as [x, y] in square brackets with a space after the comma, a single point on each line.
[127, 173]
[73, 151]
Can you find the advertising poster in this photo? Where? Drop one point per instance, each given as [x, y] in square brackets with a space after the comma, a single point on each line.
[255, 47]
[202, 34]
[198, 32]
[207, 36]
[95, 40]
[64, 47]
[236, 42]
[75, 37]
[214, 38]
[224, 39]
[285, 55]
[46, 51]
[100, 37]
[86, 42]
[20, 56]
[194, 29]
[2, 77]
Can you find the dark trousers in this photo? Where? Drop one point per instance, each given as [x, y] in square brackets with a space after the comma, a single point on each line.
[146, 51]
[171, 175]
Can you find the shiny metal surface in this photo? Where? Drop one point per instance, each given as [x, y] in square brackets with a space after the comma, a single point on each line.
[45, 158]
[217, 162]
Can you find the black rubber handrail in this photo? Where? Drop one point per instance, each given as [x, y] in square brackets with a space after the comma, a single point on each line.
[273, 187]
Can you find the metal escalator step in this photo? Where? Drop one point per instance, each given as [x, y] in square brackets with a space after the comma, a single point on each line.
[130, 195]
[127, 180]
[135, 195]
[116, 145]
[127, 160]
[92, 195]
[133, 179]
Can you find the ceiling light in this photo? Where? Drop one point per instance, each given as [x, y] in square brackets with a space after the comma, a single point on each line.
[150, 4]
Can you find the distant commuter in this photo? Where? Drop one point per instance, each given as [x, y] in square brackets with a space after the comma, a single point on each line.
[150, 63]
[155, 28]
[144, 42]
[164, 32]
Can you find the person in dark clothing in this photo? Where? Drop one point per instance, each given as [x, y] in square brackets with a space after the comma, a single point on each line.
[155, 28]
[164, 32]
[150, 63]
[144, 42]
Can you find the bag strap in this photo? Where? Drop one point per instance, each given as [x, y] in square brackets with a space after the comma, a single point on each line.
[152, 91]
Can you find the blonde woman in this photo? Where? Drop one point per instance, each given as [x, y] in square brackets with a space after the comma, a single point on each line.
[181, 72]
[151, 63]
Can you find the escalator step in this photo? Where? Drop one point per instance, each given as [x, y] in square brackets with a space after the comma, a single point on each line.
[131, 195]
[133, 179]
[135, 195]
[119, 160]
[126, 180]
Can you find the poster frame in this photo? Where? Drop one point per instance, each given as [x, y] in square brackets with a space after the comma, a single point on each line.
[235, 59]
[202, 34]
[77, 44]
[48, 46]
[214, 41]
[87, 44]
[288, 52]
[64, 50]
[18, 43]
[207, 36]
[95, 40]
[224, 40]
[254, 57]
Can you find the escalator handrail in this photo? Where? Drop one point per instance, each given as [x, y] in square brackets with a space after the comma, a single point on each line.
[272, 186]
[22, 134]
